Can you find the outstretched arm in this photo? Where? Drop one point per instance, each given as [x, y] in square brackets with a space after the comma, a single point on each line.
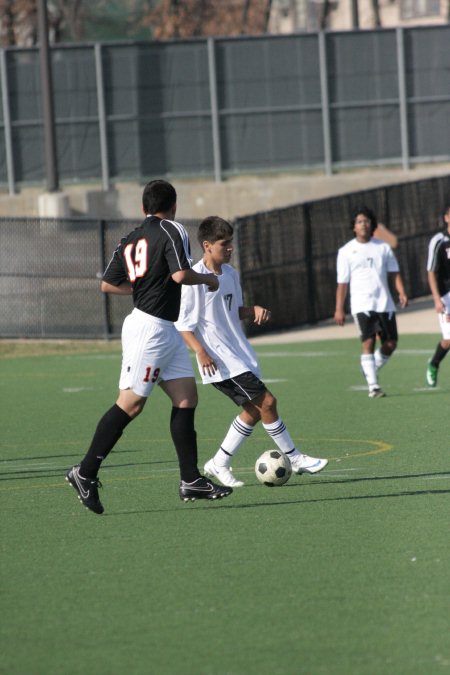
[341, 294]
[190, 277]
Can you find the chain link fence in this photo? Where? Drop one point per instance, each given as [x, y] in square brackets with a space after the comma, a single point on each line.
[50, 268]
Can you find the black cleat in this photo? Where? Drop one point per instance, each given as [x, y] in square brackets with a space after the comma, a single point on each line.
[203, 488]
[87, 489]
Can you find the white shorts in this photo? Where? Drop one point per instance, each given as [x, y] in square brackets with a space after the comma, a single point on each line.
[152, 350]
[444, 319]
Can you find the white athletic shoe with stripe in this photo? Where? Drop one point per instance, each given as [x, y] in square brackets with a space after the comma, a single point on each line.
[222, 474]
[305, 464]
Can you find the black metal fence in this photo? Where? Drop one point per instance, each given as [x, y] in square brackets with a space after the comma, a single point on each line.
[227, 106]
[50, 268]
[288, 256]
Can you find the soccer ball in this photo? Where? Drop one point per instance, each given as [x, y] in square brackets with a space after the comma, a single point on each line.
[273, 468]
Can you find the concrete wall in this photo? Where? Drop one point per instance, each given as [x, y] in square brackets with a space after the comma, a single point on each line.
[197, 198]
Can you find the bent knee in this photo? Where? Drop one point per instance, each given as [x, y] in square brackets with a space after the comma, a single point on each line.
[132, 409]
[269, 403]
[389, 347]
[186, 402]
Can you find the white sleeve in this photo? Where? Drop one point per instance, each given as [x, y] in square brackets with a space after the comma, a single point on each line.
[392, 263]
[190, 308]
[343, 268]
[238, 287]
[432, 249]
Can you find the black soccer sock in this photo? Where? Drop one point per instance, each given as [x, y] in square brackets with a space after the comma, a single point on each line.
[185, 441]
[108, 432]
[439, 354]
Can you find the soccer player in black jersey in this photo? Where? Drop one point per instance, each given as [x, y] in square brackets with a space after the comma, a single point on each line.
[150, 264]
[438, 267]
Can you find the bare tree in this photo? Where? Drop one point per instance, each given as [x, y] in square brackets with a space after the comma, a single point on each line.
[72, 20]
[323, 19]
[173, 18]
[18, 23]
[66, 19]
[376, 13]
[267, 16]
[7, 36]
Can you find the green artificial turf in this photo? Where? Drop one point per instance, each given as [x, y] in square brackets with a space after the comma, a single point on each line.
[342, 573]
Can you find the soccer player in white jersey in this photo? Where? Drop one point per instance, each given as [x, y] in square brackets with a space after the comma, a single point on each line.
[438, 267]
[364, 264]
[210, 324]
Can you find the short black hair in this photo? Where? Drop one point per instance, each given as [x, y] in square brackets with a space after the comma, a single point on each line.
[214, 228]
[365, 211]
[159, 196]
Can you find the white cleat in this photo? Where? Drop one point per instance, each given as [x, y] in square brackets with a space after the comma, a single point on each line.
[376, 392]
[305, 464]
[222, 474]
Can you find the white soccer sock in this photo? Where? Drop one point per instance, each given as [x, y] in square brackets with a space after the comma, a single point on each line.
[381, 359]
[369, 369]
[282, 438]
[238, 432]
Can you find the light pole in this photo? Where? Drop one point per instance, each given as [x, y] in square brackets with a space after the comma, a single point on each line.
[47, 99]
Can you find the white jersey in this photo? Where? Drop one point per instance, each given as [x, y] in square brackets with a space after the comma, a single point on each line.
[213, 317]
[365, 267]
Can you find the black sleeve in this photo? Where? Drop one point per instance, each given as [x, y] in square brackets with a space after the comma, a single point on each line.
[115, 274]
[177, 248]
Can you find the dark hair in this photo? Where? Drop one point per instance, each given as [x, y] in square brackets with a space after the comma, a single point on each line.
[214, 228]
[365, 211]
[159, 196]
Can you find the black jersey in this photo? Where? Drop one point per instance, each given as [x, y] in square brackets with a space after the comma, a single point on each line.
[147, 257]
[439, 261]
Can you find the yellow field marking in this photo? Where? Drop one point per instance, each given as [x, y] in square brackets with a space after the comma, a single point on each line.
[376, 448]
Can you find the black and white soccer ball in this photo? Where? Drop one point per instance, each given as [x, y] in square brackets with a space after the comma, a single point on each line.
[273, 468]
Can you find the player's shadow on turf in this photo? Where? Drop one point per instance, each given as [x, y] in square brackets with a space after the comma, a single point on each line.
[66, 455]
[361, 479]
[46, 472]
[204, 507]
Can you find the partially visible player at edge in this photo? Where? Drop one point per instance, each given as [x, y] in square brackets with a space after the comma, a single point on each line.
[210, 325]
[151, 263]
[364, 264]
[438, 268]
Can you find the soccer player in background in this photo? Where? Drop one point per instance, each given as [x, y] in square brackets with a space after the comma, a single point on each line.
[210, 323]
[438, 267]
[151, 263]
[364, 265]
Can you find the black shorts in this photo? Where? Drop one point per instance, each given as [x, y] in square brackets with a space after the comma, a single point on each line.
[371, 324]
[242, 388]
